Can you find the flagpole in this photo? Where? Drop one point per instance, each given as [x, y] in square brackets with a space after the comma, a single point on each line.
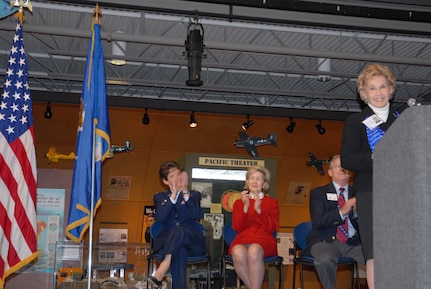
[93, 127]
[90, 238]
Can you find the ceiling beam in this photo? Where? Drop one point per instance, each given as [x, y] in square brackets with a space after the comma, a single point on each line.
[168, 41]
[161, 104]
[231, 11]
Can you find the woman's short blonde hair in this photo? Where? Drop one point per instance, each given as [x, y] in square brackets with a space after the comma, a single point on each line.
[371, 71]
[266, 177]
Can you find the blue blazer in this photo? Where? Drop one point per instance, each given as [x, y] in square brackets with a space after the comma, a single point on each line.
[181, 213]
[325, 216]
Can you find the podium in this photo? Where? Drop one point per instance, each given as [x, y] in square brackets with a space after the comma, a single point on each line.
[402, 202]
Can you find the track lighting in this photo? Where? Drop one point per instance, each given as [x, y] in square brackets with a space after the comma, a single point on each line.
[246, 125]
[193, 122]
[321, 130]
[291, 126]
[146, 118]
[48, 112]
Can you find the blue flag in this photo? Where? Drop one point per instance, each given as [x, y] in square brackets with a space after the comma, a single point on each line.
[93, 141]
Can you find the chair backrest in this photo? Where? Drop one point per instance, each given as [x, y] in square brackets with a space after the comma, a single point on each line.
[228, 233]
[300, 234]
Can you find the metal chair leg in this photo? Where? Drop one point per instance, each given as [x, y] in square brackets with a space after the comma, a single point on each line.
[301, 275]
[358, 279]
[281, 277]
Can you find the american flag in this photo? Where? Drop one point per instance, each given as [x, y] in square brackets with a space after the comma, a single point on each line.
[18, 166]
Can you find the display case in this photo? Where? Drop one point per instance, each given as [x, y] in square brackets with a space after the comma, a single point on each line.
[120, 261]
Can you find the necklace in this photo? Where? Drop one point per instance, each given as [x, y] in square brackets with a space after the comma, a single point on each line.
[260, 196]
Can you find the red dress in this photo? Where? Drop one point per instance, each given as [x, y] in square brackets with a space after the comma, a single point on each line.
[256, 228]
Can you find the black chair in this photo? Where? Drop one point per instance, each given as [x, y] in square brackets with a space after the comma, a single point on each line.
[155, 229]
[300, 244]
[228, 235]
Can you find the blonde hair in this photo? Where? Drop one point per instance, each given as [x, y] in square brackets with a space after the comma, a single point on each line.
[266, 177]
[371, 71]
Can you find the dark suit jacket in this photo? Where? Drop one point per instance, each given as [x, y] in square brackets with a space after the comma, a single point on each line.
[355, 150]
[181, 213]
[325, 216]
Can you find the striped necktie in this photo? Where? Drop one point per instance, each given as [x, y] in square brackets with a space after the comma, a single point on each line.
[343, 229]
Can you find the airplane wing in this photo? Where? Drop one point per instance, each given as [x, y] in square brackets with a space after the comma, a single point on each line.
[312, 157]
[243, 135]
[251, 149]
[315, 163]
[319, 168]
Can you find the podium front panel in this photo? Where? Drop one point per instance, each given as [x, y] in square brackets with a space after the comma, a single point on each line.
[402, 202]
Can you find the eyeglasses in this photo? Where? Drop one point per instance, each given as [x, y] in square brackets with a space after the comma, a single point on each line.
[337, 166]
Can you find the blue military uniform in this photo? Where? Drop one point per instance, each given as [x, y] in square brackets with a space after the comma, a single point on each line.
[181, 236]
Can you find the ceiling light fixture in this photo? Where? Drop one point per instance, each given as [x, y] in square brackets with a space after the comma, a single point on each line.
[146, 118]
[291, 126]
[323, 65]
[320, 129]
[48, 112]
[193, 122]
[194, 49]
[118, 49]
[246, 125]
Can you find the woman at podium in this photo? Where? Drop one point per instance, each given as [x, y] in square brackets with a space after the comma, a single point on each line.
[362, 131]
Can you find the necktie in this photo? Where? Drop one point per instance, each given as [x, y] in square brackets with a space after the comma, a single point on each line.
[343, 229]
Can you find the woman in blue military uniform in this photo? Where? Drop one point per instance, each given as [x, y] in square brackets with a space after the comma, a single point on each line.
[178, 210]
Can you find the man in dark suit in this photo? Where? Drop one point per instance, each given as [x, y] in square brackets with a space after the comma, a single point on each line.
[178, 210]
[334, 233]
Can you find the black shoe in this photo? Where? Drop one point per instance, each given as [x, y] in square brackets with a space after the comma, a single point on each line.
[154, 281]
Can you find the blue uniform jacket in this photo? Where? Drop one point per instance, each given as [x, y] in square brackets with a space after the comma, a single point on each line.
[181, 213]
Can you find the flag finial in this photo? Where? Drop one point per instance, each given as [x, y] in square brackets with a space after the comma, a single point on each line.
[21, 4]
[97, 14]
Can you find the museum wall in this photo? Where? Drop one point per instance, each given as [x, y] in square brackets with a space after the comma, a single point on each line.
[168, 137]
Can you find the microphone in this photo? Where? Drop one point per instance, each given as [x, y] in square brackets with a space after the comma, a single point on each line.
[412, 102]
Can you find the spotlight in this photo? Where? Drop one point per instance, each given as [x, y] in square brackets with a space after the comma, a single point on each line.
[246, 125]
[146, 118]
[291, 126]
[118, 49]
[193, 122]
[194, 49]
[321, 130]
[324, 65]
[48, 112]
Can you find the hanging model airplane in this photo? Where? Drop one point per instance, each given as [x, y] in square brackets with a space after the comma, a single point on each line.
[119, 149]
[250, 143]
[315, 163]
[54, 157]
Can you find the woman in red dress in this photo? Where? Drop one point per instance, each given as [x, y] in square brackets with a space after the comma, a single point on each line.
[255, 218]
